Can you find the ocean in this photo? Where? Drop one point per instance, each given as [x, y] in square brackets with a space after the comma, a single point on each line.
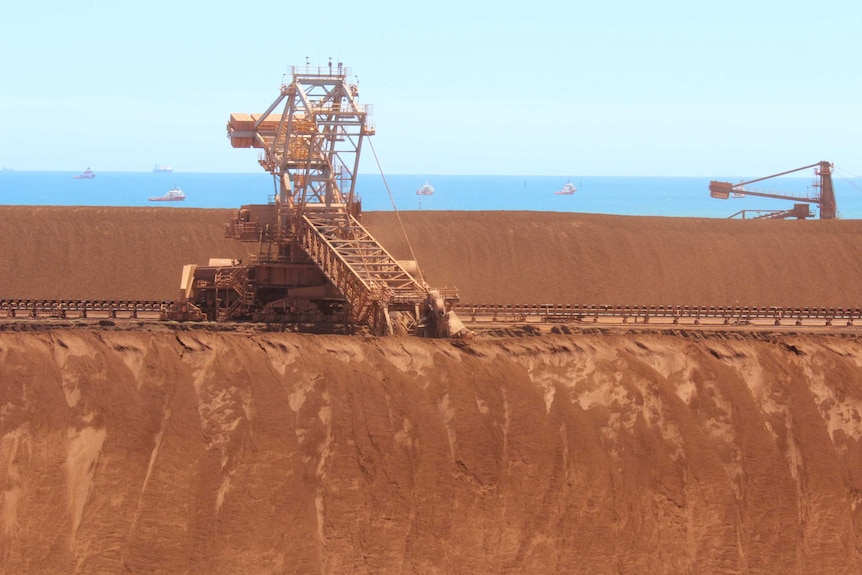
[635, 196]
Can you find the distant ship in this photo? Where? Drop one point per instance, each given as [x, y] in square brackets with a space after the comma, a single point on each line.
[567, 190]
[173, 195]
[161, 168]
[426, 190]
[87, 174]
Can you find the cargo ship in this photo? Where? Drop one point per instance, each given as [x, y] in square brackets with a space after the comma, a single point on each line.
[87, 174]
[426, 190]
[160, 168]
[173, 195]
[568, 189]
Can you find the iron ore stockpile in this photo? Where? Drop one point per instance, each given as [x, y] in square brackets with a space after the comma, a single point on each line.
[656, 449]
[589, 394]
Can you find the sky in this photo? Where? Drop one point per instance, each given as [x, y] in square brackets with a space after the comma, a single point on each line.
[612, 88]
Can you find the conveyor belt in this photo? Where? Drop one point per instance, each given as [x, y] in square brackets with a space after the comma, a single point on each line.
[478, 314]
[94, 308]
[673, 314]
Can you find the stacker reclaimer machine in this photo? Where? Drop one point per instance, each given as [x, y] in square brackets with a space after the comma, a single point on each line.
[316, 268]
[824, 198]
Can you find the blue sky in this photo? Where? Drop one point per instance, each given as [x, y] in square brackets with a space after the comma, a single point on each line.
[536, 88]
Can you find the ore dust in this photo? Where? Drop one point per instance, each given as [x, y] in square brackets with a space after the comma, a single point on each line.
[156, 450]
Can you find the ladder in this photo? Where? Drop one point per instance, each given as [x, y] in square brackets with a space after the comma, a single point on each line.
[233, 279]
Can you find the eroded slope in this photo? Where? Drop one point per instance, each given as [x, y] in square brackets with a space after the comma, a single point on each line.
[205, 452]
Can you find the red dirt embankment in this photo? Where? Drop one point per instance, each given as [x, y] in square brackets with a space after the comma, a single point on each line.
[106, 253]
[530, 257]
[218, 453]
[492, 257]
[202, 452]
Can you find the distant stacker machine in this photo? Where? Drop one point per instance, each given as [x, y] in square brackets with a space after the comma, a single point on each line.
[316, 265]
[824, 198]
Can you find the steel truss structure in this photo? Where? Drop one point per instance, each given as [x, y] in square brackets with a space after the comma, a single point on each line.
[315, 258]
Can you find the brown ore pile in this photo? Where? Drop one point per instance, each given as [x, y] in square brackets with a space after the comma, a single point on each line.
[165, 450]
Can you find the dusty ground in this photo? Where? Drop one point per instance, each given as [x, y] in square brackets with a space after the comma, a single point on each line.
[492, 257]
[603, 451]
[201, 452]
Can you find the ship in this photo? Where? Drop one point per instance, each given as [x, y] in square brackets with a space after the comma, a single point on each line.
[567, 190]
[87, 174]
[426, 190]
[173, 195]
[160, 168]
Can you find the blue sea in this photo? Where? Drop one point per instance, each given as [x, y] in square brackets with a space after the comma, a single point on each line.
[645, 196]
